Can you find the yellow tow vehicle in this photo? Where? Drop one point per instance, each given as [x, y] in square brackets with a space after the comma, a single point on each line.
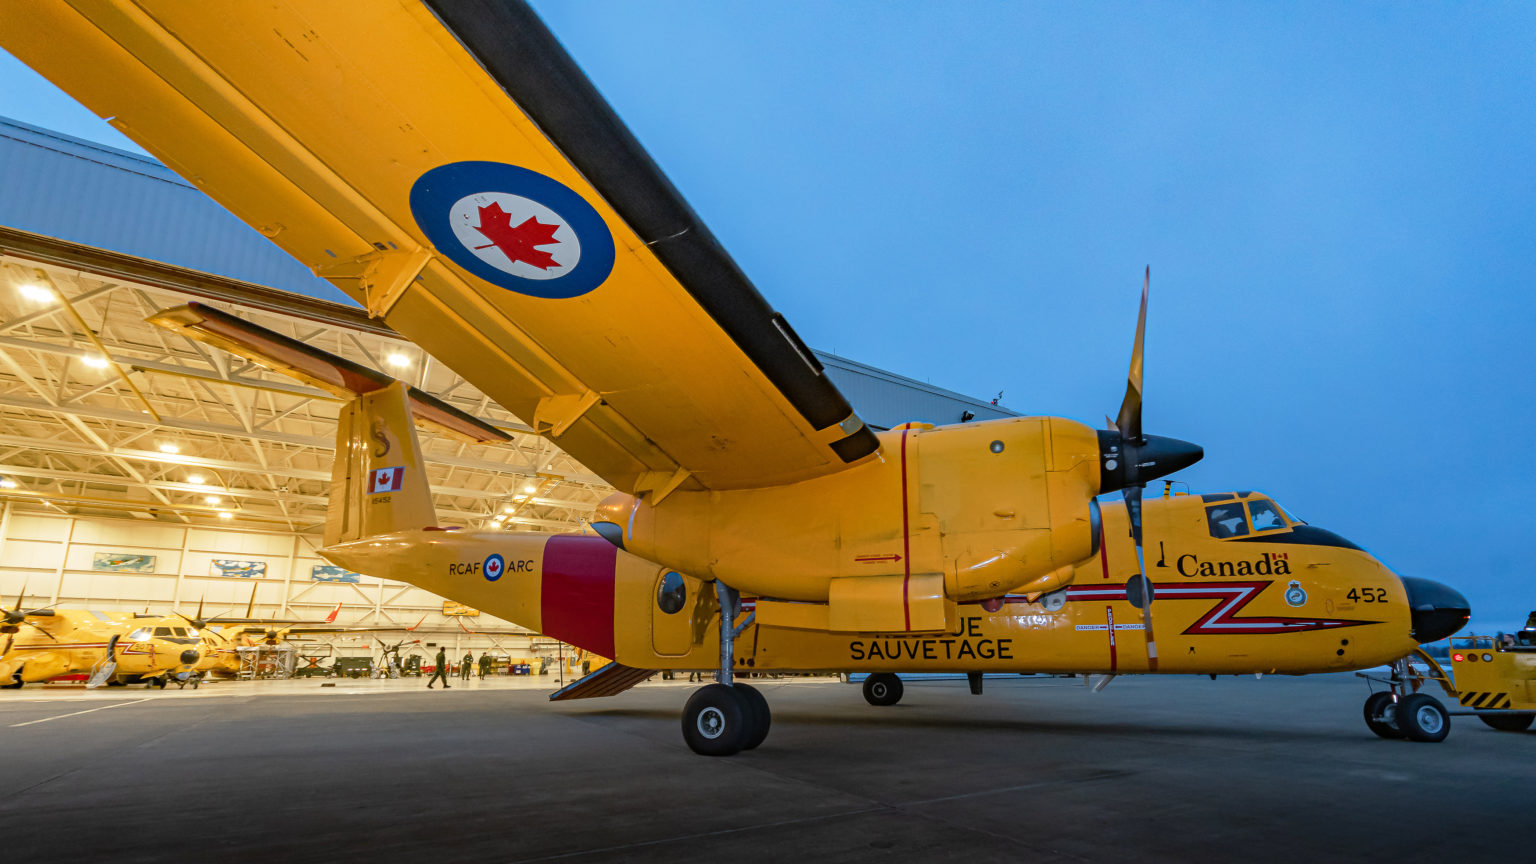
[1496, 678]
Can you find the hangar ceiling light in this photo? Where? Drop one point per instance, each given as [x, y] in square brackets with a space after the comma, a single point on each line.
[36, 293]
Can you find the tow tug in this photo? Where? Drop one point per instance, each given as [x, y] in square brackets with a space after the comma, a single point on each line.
[1492, 678]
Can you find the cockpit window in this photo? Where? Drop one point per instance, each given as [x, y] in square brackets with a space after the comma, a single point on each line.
[1226, 520]
[162, 631]
[1264, 515]
[140, 634]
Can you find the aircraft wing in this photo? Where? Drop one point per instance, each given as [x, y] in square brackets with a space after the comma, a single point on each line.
[448, 165]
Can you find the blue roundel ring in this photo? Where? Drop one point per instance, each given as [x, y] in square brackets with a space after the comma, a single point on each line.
[501, 567]
[436, 191]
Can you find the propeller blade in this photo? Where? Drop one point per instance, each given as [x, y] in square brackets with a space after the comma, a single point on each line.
[41, 630]
[251, 606]
[1132, 495]
[199, 615]
[1129, 422]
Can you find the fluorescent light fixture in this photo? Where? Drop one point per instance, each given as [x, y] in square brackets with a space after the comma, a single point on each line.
[499, 518]
[196, 479]
[36, 293]
[509, 510]
[398, 360]
[530, 488]
[211, 499]
[7, 483]
[95, 361]
[170, 448]
[225, 514]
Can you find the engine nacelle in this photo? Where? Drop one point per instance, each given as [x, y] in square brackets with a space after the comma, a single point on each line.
[980, 509]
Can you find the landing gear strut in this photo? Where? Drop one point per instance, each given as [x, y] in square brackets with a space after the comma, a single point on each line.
[1401, 711]
[725, 718]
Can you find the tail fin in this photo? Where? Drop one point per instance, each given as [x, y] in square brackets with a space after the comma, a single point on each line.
[379, 482]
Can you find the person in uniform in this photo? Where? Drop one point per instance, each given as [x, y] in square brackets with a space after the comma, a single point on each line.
[465, 665]
[441, 671]
[485, 663]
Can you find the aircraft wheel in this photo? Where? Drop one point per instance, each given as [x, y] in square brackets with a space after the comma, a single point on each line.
[1423, 718]
[717, 720]
[1380, 715]
[882, 688]
[12, 686]
[762, 718]
[1508, 722]
[116, 683]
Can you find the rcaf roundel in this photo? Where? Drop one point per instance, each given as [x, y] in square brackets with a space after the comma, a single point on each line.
[514, 228]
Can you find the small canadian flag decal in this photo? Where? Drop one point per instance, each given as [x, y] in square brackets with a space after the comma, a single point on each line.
[386, 480]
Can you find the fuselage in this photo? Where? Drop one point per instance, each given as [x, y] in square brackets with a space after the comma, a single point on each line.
[1238, 587]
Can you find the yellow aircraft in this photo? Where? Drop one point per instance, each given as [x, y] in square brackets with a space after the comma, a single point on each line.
[1241, 585]
[106, 647]
[449, 167]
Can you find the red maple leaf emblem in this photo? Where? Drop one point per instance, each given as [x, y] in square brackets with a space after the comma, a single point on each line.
[518, 243]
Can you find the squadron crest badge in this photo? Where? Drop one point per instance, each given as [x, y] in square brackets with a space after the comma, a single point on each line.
[1295, 595]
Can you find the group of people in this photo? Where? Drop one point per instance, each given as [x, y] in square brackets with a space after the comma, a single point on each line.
[465, 666]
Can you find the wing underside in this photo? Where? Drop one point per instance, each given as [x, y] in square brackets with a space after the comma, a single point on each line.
[448, 166]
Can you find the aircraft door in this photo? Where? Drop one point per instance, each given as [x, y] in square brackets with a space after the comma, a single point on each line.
[677, 603]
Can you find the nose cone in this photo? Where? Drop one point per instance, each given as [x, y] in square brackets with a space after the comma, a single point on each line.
[189, 656]
[1437, 610]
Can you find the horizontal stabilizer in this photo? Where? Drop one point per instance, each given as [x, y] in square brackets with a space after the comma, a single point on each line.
[610, 680]
[335, 375]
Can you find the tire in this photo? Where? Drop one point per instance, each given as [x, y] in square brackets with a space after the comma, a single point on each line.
[1508, 722]
[1423, 718]
[882, 688]
[1380, 715]
[762, 718]
[717, 721]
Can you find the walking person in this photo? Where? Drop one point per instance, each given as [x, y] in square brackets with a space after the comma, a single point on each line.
[485, 663]
[441, 671]
[465, 664]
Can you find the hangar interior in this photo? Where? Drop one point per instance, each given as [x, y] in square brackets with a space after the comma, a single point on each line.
[142, 471]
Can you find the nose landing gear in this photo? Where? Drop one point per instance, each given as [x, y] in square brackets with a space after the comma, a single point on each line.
[1401, 711]
[725, 718]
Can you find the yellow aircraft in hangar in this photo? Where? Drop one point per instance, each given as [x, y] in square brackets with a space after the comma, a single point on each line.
[1241, 586]
[106, 647]
[450, 167]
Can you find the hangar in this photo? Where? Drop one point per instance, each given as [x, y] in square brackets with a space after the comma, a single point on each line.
[140, 470]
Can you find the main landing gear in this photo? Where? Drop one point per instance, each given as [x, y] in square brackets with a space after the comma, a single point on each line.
[725, 718]
[1402, 712]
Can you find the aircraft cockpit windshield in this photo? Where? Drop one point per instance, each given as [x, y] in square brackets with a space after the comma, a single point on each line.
[1242, 515]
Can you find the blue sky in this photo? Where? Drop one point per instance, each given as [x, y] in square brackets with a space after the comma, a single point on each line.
[1338, 203]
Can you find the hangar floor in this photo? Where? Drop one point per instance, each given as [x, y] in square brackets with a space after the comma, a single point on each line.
[1172, 770]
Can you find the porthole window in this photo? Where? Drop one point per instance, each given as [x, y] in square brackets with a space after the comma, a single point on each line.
[672, 593]
[997, 447]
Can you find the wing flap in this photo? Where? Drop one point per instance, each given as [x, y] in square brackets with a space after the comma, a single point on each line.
[335, 375]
